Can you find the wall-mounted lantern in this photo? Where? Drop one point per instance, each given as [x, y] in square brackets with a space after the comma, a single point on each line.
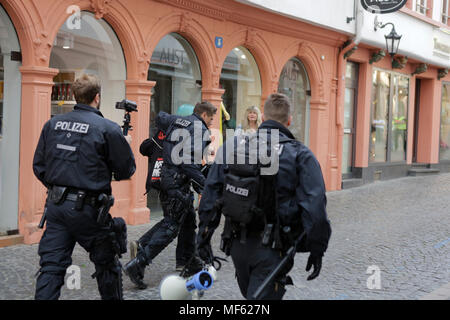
[392, 38]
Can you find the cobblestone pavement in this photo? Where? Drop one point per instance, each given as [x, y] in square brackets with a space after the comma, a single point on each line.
[399, 227]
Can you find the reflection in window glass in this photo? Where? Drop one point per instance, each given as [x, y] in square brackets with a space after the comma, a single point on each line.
[10, 112]
[421, 6]
[389, 117]
[380, 115]
[295, 84]
[444, 143]
[242, 83]
[399, 118]
[93, 48]
[175, 68]
[2, 81]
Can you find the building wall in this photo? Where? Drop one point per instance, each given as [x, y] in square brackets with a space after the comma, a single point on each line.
[139, 26]
[329, 14]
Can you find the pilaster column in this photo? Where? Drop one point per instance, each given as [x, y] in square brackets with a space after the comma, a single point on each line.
[214, 96]
[140, 92]
[37, 85]
[317, 134]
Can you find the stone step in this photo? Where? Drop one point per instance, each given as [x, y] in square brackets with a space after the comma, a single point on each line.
[6, 241]
[351, 183]
[421, 171]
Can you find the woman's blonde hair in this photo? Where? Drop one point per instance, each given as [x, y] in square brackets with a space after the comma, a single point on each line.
[245, 123]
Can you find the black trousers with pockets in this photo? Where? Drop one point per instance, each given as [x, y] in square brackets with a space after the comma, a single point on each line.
[253, 263]
[65, 227]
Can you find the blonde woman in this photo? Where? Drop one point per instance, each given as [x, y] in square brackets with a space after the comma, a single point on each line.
[252, 121]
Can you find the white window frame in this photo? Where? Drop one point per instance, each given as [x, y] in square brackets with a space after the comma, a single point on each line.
[444, 11]
[420, 6]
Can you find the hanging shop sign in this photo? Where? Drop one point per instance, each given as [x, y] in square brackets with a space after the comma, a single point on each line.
[382, 6]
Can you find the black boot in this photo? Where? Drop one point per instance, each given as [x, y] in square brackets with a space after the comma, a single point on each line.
[194, 265]
[135, 270]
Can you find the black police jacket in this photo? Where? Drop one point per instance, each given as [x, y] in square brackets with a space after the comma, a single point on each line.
[187, 138]
[300, 189]
[82, 150]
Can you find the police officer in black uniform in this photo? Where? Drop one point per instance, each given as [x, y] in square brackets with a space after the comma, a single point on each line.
[265, 214]
[75, 158]
[153, 149]
[187, 139]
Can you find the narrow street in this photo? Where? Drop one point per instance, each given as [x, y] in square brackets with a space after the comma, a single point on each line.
[390, 240]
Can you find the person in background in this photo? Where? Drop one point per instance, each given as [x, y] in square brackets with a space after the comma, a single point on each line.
[252, 121]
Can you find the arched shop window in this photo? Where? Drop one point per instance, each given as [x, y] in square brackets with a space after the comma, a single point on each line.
[175, 68]
[92, 48]
[10, 105]
[242, 83]
[294, 83]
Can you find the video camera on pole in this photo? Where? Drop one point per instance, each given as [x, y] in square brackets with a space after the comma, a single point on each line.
[128, 106]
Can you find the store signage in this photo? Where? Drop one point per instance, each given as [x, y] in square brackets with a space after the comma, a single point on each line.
[382, 6]
[169, 56]
[441, 49]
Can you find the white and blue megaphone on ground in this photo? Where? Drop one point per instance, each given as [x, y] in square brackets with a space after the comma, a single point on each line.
[175, 287]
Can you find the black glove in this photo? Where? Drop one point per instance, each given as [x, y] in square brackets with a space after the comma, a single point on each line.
[315, 259]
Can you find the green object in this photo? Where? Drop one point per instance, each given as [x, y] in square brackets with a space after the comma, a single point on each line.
[185, 110]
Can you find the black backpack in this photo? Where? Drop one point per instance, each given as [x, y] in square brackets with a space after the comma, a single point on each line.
[249, 197]
[153, 149]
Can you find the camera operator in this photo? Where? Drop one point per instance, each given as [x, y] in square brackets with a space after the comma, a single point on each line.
[75, 158]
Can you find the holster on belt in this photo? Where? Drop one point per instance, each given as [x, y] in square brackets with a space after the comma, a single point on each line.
[57, 194]
[106, 202]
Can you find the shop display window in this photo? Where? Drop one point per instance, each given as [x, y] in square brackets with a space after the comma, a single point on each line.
[241, 80]
[390, 93]
[10, 124]
[294, 83]
[350, 101]
[444, 141]
[2, 81]
[92, 48]
[175, 69]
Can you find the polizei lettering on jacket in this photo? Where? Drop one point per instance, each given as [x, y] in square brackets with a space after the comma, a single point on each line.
[72, 126]
[239, 191]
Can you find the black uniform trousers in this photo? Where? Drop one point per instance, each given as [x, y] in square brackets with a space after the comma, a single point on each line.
[66, 227]
[253, 263]
[186, 235]
[179, 220]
